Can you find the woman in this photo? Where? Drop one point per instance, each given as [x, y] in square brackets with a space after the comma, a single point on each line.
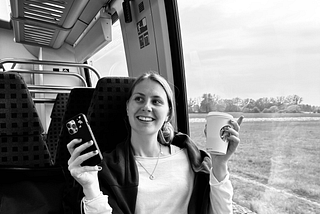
[155, 170]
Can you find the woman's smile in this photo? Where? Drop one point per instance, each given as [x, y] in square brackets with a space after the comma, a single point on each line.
[145, 119]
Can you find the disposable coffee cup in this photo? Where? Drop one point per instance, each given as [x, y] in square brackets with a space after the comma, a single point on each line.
[217, 123]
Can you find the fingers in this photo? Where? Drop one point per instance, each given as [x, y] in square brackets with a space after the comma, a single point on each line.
[236, 124]
[76, 157]
[205, 130]
[77, 160]
[72, 144]
[240, 119]
[234, 131]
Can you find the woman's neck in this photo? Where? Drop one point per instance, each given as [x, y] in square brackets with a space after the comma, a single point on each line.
[145, 146]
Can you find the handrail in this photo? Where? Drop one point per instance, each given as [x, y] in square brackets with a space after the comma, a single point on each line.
[49, 72]
[44, 100]
[48, 89]
[46, 62]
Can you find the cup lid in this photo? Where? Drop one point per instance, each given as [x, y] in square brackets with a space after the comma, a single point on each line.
[219, 114]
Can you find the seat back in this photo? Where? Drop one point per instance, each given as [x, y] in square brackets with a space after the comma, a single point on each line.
[21, 130]
[55, 126]
[107, 112]
[78, 102]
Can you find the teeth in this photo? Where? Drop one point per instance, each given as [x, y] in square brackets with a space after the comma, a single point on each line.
[145, 118]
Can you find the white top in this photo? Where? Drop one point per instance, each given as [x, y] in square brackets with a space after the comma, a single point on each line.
[170, 190]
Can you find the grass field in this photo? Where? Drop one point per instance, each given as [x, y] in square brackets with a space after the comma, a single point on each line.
[276, 167]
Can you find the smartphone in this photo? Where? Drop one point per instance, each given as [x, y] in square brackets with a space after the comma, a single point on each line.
[79, 128]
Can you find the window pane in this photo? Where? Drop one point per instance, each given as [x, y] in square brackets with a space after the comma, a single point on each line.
[260, 59]
[111, 60]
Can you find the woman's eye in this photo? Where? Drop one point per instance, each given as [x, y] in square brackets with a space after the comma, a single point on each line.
[138, 99]
[157, 102]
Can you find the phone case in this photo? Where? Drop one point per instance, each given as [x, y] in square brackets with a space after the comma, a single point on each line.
[79, 128]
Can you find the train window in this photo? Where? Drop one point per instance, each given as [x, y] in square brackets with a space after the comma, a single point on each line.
[111, 60]
[260, 60]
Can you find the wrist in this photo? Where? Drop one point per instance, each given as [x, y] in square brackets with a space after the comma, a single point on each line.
[91, 191]
[219, 170]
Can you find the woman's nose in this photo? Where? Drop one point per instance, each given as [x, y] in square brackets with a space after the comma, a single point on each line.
[146, 107]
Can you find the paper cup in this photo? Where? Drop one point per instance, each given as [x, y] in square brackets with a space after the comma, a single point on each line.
[217, 122]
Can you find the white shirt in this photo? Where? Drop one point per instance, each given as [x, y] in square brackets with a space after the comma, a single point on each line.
[170, 190]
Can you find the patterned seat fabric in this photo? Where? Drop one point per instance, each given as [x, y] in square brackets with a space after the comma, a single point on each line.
[78, 102]
[21, 142]
[54, 130]
[107, 112]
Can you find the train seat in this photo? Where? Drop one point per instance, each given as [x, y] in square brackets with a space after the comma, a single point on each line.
[22, 143]
[107, 111]
[28, 183]
[55, 126]
[78, 102]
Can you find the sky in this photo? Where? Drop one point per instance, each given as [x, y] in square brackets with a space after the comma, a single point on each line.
[252, 48]
[4, 10]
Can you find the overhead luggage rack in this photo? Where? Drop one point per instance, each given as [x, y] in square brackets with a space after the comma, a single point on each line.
[44, 22]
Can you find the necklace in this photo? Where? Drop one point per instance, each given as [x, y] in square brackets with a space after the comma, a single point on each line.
[151, 176]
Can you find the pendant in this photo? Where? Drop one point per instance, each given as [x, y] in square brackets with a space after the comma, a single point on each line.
[151, 177]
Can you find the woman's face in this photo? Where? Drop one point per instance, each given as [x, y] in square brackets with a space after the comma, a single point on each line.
[147, 107]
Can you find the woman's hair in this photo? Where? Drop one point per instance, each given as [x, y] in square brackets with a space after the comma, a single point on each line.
[166, 133]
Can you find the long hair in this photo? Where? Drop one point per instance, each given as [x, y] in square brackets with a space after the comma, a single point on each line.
[166, 133]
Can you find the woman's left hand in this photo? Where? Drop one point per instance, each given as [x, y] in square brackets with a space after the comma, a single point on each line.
[219, 162]
[233, 140]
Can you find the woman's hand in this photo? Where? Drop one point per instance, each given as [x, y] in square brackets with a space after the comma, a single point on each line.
[219, 162]
[233, 140]
[86, 176]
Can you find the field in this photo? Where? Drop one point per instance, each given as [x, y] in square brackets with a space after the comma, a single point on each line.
[276, 167]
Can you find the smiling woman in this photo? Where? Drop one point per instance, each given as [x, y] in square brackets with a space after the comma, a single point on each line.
[155, 169]
[252, 58]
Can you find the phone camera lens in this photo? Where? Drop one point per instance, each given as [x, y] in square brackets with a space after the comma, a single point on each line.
[71, 131]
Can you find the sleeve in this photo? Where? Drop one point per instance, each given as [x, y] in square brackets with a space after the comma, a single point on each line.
[98, 205]
[221, 194]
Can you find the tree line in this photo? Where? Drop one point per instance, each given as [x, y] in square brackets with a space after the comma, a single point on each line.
[282, 104]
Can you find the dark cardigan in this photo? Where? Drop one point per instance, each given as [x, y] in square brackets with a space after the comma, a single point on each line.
[119, 178]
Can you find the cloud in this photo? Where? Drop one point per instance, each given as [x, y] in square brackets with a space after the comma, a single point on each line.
[272, 46]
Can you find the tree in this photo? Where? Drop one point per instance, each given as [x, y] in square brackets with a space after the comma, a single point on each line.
[293, 100]
[209, 102]
[193, 105]
[231, 106]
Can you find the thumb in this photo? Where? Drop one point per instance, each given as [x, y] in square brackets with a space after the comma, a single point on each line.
[240, 119]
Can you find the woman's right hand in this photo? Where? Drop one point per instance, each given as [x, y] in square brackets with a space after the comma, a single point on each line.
[86, 176]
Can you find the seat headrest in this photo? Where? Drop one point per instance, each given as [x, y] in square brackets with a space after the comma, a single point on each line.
[107, 111]
[18, 115]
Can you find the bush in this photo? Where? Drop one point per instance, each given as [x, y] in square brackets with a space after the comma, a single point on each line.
[293, 109]
[266, 110]
[274, 109]
[255, 110]
[248, 110]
